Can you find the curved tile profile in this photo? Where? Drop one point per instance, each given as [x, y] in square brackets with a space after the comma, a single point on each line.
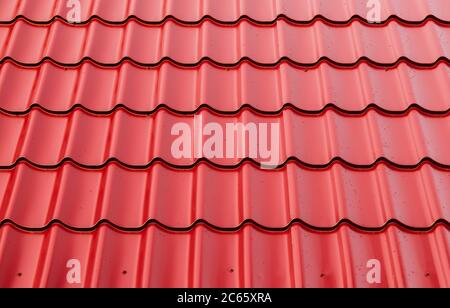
[369, 22]
[225, 199]
[66, 44]
[91, 140]
[88, 172]
[224, 12]
[224, 90]
[204, 258]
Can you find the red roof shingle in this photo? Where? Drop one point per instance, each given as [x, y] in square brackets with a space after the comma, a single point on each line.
[91, 140]
[272, 198]
[193, 11]
[87, 172]
[202, 257]
[28, 43]
[143, 90]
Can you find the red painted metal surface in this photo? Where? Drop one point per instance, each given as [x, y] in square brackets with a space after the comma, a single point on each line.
[224, 11]
[140, 89]
[77, 142]
[81, 198]
[29, 43]
[249, 257]
[92, 140]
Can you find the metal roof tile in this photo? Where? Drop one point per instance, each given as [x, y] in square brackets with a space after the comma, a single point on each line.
[29, 43]
[80, 198]
[142, 90]
[86, 170]
[155, 257]
[91, 140]
[224, 11]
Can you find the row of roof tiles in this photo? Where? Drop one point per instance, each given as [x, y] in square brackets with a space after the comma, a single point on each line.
[400, 190]
[140, 89]
[80, 198]
[223, 11]
[29, 44]
[91, 140]
[249, 257]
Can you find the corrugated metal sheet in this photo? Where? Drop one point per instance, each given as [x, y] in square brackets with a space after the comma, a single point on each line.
[143, 90]
[81, 198]
[92, 140]
[28, 43]
[155, 11]
[249, 257]
[86, 172]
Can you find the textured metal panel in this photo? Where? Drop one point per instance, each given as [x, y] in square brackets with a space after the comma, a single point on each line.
[100, 89]
[176, 198]
[364, 115]
[224, 11]
[92, 140]
[28, 43]
[205, 258]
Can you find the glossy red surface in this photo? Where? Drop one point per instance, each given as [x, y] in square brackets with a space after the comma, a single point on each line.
[79, 140]
[28, 43]
[90, 140]
[140, 89]
[155, 257]
[176, 198]
[224, 11]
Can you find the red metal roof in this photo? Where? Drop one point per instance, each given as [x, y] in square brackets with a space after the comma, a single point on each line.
[29, 43]
[178, 198]
[142, 90]
[91, 140]
[87, 173]
[202, 257]
[155, 11]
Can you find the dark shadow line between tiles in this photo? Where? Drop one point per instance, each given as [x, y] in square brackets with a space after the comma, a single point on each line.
[251, 222]
[242, 108]
[294, 63]
[205, 162]
[220, 22]
[347, 164]
[167, 60]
